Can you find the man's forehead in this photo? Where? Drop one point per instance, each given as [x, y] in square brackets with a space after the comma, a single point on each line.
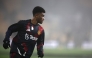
[43, 13]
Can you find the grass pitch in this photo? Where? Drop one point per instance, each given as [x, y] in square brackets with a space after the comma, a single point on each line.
[55, 53]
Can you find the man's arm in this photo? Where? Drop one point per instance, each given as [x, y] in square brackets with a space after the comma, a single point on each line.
[13, 28]
[40, 43]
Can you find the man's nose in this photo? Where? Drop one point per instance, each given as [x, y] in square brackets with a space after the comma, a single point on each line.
[43, 18]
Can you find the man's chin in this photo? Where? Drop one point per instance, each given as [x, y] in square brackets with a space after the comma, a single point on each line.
[40, 22]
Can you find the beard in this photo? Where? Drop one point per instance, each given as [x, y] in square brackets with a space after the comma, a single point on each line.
[39, 21]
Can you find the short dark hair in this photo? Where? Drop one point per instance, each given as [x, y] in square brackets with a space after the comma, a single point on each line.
[38, 9]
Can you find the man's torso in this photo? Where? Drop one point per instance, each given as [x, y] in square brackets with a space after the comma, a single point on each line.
[26, 37]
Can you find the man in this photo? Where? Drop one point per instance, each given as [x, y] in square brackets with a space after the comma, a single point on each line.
[29, 34]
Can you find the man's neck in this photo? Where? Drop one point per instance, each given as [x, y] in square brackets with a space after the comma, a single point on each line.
[33, 21]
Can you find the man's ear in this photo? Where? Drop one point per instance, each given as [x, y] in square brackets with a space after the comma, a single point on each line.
[37, 14]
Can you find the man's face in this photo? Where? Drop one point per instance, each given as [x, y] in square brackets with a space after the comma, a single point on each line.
[40, 17]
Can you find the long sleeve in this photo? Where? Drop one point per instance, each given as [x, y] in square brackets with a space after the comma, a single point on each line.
[13, 28]
[40, 43]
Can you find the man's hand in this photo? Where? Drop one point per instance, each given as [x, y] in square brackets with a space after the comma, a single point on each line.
[6, 44]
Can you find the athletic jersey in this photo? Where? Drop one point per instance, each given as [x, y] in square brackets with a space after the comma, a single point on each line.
[28, 35]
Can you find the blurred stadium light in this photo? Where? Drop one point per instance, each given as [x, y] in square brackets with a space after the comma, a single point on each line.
[52, 44]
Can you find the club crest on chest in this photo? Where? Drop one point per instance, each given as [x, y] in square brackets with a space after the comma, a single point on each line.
[28, 28]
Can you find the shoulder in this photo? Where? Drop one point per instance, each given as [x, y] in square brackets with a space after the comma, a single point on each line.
[41, 28]
[24, 21]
